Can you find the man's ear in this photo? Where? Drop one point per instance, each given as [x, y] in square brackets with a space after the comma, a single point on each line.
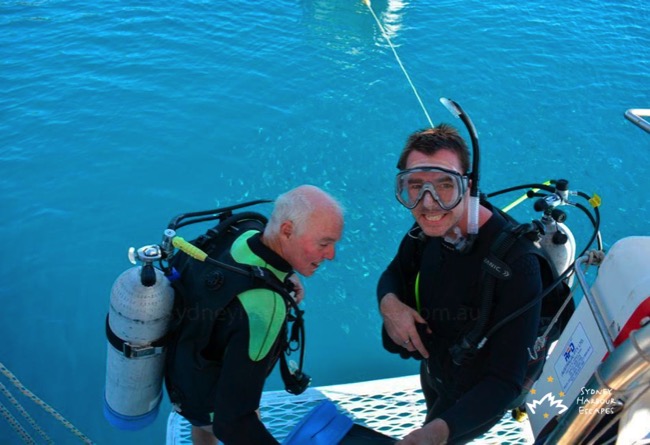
[286, 228]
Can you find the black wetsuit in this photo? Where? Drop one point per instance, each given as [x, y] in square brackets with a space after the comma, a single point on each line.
[218, 378]
[470, 398]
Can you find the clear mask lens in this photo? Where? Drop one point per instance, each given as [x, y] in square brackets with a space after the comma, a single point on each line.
[446, 187]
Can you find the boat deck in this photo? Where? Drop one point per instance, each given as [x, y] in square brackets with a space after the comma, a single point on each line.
[392, 406]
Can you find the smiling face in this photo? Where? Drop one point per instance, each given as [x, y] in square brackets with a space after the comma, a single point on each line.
[305, 248]
[433, 220]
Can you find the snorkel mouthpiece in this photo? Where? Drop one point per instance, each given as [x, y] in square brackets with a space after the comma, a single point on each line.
[474, 201]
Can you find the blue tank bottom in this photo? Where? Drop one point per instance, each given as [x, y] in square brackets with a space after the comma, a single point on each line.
[130, 423]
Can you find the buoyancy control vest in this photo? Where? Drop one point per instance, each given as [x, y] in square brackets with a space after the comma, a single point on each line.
[511, 242]
[203, 291]
[557, 307]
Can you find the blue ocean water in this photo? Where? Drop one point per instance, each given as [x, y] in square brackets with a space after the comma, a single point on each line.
[117, 116]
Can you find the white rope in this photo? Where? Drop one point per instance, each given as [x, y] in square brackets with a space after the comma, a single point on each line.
[24, 413]
[408, 78]
[47, 408]
[16, 425]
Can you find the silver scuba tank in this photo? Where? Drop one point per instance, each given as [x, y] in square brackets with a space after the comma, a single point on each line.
[140, 309]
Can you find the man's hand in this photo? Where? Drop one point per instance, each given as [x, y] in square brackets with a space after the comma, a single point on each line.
[434, 433]
[399, 321]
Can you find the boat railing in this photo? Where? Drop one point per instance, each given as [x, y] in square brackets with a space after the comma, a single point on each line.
[636, 116]
[594, 258]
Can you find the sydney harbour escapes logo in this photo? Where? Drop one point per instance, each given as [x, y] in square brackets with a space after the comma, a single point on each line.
[589, 401]
[549, 404]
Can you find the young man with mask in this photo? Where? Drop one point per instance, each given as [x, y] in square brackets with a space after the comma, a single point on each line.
[429, 295]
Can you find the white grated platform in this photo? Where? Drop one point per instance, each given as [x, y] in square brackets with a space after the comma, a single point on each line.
[393, 407]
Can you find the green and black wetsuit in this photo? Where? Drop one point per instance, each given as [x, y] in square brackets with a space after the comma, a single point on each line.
[222, 356]
[470, 398]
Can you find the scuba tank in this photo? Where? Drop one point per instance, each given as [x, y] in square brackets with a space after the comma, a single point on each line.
[138, 319]
[556, 238]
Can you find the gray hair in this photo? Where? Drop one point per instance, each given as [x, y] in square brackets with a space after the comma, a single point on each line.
[296, 206]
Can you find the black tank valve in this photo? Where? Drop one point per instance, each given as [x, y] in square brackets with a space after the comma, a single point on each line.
[147, 255]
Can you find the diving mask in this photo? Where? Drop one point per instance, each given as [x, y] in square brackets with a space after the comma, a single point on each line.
[447, 187]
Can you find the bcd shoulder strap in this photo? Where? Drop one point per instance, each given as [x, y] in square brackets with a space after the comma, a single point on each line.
[494, 268]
